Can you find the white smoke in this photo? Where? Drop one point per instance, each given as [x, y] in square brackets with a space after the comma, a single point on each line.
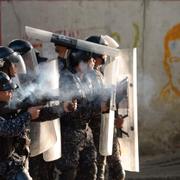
[44, 84]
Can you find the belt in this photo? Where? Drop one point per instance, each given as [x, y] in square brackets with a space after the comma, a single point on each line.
[76, 126]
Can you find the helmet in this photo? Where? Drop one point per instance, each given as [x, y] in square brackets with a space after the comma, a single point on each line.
[8, 55]
[20, 46]
[98, 40]
[27, 52]
[7, 58]
[111, 42]
[6, 83]
[76, 56]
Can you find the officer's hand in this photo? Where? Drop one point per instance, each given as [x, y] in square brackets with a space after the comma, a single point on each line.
[104, 107]
[119, 121]
[34, 111]
[70, 106]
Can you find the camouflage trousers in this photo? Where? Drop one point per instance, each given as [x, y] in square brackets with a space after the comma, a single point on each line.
[78, 159]
[13, 170]
[115, 169]
[41, 170]
[109, 167]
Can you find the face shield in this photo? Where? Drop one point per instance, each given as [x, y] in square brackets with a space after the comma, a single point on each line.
[13, 58]
[30, 61]
[20, 65]
[13, 64]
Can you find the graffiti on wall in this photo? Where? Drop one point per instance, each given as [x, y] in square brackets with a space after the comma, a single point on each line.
[171, 63]
[136, 35]
[116, 36]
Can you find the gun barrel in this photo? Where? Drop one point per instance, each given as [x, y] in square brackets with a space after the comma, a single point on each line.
[70, 42]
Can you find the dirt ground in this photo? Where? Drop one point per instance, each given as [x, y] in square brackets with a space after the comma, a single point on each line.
[161, 167]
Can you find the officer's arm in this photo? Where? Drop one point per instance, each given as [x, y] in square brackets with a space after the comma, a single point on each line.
[13, 127]
[50, 113]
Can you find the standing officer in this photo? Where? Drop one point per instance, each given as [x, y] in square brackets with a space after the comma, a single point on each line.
[78, 151]
[115, 169]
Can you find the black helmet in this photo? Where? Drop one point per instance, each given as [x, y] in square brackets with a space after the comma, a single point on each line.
[98, 40]
[76, 56]
[20, 46]
[7, 54]
[6, 83]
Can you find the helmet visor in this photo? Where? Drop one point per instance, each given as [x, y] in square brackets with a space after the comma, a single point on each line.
[30, 61]
[13, 58]
[7, 86]
[20, 66]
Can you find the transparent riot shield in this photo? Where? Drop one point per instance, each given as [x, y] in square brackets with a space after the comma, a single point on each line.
[127, 107]
[124, 82]
[54, 152]
[31, 61]
[46, 135]
[20, 65]
[111, 72]
[43, 134]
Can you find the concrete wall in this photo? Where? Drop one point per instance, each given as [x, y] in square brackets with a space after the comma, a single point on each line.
[151, 25]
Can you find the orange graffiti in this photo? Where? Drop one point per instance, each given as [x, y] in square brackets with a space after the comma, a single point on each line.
[171, 89]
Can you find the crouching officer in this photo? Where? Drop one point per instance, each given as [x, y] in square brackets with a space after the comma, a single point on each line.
[13, 125]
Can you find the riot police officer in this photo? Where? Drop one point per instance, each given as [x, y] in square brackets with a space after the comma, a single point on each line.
[13, 125]
[115, 169]
[78, 151]
[26, 50]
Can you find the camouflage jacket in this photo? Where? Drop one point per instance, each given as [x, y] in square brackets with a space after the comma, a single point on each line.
[12, 126]
[72, 87]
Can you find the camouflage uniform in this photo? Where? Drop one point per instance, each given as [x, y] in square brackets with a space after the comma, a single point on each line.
[115, 169]
[13, 135]
[78, 159]
[40, 169]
